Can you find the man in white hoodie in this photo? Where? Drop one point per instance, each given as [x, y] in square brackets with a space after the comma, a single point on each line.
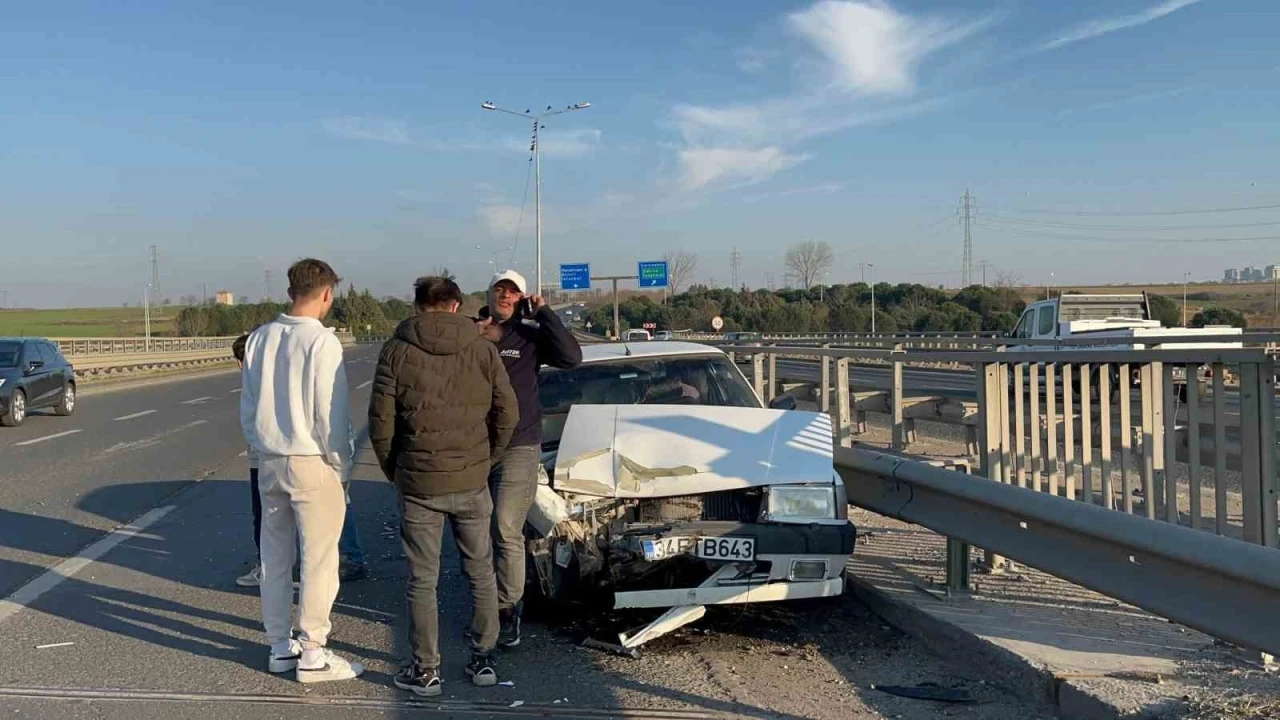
[295, 415]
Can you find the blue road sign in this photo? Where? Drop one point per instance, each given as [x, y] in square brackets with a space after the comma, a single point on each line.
[575, 277]
[653, 274]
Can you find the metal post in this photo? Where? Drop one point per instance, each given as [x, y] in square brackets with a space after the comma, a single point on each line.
[757, 374]
[899, 428]
[537, 213]
[1257, 440]
[617, 327]
[772, 390]
[957, 567]
[824, 400]
[844, 411]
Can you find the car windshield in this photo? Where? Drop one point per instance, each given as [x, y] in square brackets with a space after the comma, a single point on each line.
[645, 381]
[9, 354]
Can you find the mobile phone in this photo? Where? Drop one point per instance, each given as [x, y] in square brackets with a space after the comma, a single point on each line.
[526, 308]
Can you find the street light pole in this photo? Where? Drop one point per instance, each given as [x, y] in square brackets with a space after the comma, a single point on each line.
[1185, 276]
[537, 167]
[873, 291]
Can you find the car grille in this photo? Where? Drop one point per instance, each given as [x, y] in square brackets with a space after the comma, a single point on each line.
[728, 505]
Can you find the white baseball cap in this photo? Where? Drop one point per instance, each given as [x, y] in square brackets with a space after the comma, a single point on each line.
[512, 277]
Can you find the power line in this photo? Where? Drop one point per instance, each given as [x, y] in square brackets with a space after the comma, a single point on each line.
[1085, 213]
[524, 201]
[1175, 241]
[1085, 226]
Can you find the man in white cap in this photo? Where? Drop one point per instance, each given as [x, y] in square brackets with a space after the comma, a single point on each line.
[528, 335]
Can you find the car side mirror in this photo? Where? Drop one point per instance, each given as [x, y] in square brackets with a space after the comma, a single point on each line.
[783, 402]
[34, 365]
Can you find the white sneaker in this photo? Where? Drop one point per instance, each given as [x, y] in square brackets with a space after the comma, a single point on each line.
[284, 663]
[328, 667]
[253, 578]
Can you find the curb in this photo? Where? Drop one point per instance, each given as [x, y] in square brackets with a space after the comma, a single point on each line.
[1022, 677]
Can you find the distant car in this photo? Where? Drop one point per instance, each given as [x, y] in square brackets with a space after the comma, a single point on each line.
[33, 374]
[750, 339]
[663, 335]
[635, 336]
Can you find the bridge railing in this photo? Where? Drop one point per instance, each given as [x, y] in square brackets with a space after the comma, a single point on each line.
[97, 347]
[1268, 340]
[1101, 427]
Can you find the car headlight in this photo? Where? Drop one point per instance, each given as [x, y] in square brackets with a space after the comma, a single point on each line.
[801, 504]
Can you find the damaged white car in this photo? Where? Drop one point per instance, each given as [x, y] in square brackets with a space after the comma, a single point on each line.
[669, 484]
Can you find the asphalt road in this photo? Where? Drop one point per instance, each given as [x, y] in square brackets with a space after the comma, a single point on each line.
[157, 629]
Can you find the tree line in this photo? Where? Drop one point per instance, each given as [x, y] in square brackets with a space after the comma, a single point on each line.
[847, 308]
[357, 311]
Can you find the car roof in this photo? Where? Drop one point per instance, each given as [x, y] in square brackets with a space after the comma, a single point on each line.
[604, 352]
[22, 339]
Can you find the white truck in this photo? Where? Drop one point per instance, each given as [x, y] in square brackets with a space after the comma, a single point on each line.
[1124, 318]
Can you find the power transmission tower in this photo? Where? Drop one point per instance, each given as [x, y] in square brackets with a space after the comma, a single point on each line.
[266, 285]
[155, 270]
[735, 264]
[967, 271]
[984, 273]
[768, 281]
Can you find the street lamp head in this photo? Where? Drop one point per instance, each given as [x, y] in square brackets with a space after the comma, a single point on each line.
[488, 106]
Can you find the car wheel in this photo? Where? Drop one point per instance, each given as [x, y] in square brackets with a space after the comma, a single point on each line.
[17, 411]
[67, 405]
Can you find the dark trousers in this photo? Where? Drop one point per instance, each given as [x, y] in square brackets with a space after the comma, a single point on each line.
[422, 530]
[257, 509]
[513, 481]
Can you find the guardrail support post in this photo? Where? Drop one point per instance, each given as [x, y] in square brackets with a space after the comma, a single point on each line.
[844, 414]
[772, 390]
[824, 400]
[990, 459]
[757, 375]
[957, 567]
[1258, 448]
[899, 427]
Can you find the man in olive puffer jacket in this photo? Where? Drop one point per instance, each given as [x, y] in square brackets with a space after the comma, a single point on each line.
[442, 407]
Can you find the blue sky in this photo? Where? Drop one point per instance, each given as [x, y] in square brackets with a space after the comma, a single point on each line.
[239, 138]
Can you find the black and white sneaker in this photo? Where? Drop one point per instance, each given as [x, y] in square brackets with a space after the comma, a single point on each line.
[425, 683]
[509, 629]
[284, 662]
[482, 671]
[327, 667]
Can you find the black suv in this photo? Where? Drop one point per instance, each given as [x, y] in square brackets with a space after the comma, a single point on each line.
[33, 374]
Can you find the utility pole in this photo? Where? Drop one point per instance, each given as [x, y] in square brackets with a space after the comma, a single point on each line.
[967, 271]
[984, 273]
[735, 265]
[873, 291]
[1185, 277]
[155, 269]
[1275, 311]
[204, 297]
[266, 285]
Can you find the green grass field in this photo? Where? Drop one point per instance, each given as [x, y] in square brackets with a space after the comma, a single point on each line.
[85, 322]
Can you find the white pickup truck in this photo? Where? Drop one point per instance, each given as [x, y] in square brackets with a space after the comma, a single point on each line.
[1124, 318]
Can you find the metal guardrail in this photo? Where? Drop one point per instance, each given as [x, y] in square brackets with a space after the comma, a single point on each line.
[83, 347]
[1220, 586]
[1268, 340]
[1066, 424]
[93, 347]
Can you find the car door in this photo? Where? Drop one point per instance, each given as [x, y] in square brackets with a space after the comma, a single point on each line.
[60, 373]
[43, 379]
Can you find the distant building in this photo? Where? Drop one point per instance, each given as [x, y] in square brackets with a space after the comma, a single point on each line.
[1231, 275]
[224, 297]
[1273, 272]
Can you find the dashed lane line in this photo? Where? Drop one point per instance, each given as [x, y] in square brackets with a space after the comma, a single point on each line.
[33, 441]
[133, 416]
[29, 593]
[197, 401]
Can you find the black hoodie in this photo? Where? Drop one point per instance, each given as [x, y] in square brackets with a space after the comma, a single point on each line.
[526, 346]
[442, 406]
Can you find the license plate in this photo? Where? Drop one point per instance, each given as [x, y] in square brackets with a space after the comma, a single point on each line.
[711, 548]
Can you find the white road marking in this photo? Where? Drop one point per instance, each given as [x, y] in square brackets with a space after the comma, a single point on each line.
[364, 384]
[197, 401]
[29, 593]
[233, 392]
[47, 437]
[153, 440]
[135, 415]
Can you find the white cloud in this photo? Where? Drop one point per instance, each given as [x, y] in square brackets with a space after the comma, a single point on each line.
[872, 48]
[860, 63]
[701, 167]
[499, 219]
[1103, 26]
[365, 127]
[561, 143]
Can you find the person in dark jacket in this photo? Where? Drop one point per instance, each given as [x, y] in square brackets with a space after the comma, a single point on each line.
[442, 409]
[528, 335]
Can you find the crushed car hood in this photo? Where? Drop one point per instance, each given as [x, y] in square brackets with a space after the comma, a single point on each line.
[646, 451]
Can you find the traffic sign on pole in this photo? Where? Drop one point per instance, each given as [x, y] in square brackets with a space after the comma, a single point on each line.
[575, 277]
[653, 274]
